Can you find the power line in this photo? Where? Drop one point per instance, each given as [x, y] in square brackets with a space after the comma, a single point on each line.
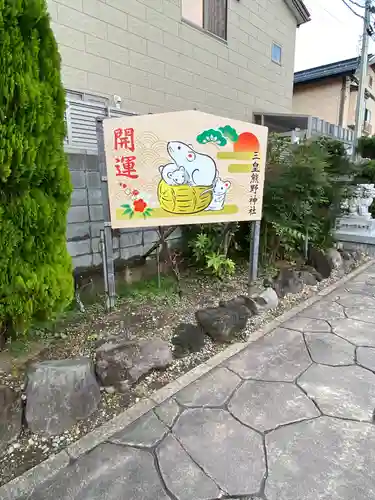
[351, 9]
[357, 4]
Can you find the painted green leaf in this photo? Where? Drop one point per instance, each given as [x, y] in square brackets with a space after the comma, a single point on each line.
[212, 135]
[229, 132]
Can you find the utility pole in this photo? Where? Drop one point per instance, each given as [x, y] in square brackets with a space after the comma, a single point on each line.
[361, 104]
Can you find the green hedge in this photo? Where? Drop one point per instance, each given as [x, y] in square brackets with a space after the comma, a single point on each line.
[35, 188]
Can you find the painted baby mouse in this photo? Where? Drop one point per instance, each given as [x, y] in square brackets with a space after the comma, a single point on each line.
[219, 193]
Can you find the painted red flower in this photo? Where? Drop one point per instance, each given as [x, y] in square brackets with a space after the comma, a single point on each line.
[139, 205]
[135, 192]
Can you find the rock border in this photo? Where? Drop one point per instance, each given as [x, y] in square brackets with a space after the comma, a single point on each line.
[27, 482]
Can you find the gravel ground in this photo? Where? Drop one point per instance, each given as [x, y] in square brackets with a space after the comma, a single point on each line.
[143, 319]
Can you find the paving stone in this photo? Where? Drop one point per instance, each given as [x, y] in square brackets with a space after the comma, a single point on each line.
[361, 289]
[328, 349]
[324, 310]
[107, 473]
[147, 431]
[186, 480]
[307, 325]
[345, 391]
[355, 300]
[257, 404]
[168, 412]
[227, 451]
[323, 458]
[211, 390]
[279, 356]
[361, 314]
[357, 332]
[366, 357]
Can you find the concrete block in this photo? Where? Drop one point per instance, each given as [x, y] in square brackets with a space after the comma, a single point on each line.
[68, 36]
[78, 231]
[150, 236]
[95, 228]
[96, 213]
[78, 214]
[161, 21]
[79, 197]
[127, 40]
[107, 13]
[95, 196]
[84, 60]
[129, 252]
[95, 245]
[144, 28]
[121, 72]
[74, 78]
[81, 22]
[76, 248]
[131, 239]
[76, 161]
[146, 95]
[133, 7]
[91, 163]
[108, 50]
[78, 179]
[107, 86]
[146, 63]
[82, 261]
[93, 180]
[115, 242]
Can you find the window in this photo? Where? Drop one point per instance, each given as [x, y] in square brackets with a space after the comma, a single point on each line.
[370, 82]
[368, 116]
[276, 53]
[210, 15]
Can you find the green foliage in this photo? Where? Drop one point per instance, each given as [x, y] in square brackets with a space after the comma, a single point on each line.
[210, 246]
[229, 132]
[35, 268]
[366, 147]
[211, 135]
[149, 291]
[316, 176]
[220, 265]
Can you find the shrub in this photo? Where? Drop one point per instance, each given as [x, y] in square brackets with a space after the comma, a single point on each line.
[35, 268]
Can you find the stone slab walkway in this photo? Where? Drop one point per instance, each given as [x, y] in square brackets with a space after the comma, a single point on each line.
[291, 417]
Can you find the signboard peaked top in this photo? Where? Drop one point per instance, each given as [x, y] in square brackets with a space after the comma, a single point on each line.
[185, 167]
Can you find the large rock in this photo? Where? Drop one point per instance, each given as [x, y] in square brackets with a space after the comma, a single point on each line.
[120, 361]
[325, 262]
[187, 338]
[288, 281]
[10, 416]
[222, 323]
[265, 301]
[59, 393]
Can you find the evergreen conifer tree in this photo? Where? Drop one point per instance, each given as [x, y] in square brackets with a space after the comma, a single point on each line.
[35, 188]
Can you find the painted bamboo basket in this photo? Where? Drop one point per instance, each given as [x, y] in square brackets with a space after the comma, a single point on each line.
[184, 199]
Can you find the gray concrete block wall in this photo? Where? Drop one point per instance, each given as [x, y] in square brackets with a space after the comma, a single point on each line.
[143, 51]
[85, 219]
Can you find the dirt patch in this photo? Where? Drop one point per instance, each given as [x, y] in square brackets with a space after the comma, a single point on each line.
[145, 312]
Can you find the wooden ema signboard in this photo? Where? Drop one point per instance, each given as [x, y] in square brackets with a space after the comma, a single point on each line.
[185, 167]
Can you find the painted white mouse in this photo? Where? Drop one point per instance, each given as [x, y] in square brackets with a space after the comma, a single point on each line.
[219, 193]
[200, 168]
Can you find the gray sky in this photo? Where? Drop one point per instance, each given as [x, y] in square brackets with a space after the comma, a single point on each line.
[332, 34]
